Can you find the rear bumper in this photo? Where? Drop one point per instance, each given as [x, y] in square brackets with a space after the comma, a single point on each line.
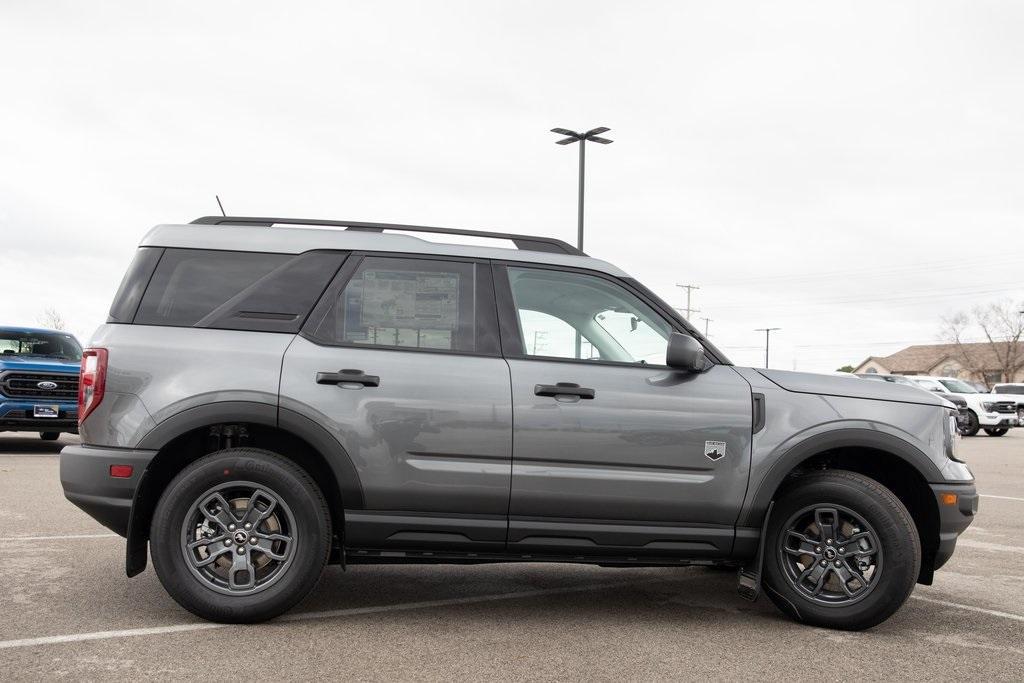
[85, 476]
[953, 518]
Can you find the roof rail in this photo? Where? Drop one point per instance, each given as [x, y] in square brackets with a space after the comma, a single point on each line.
[528, 242]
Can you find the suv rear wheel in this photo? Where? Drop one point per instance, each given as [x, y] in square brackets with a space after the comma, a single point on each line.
[240, 535]
[842, 551]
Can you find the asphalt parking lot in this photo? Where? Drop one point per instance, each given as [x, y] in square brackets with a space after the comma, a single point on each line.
[69, 611]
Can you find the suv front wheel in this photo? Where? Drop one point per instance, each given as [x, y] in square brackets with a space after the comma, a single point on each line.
[240, 535]
[842, 551]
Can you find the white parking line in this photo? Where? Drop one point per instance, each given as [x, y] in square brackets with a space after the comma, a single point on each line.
[970, 608]
[308, 616]
[986, 495]
[68, 537]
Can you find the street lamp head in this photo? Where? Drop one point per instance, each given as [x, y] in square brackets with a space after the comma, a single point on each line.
[590, 136]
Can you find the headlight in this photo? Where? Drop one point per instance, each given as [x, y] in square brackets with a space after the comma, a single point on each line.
[989, 407]
[952, 438]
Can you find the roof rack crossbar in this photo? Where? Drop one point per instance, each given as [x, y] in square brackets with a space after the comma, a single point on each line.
[528, 242]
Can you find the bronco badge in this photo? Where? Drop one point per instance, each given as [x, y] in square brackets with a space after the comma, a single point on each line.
[714, 450]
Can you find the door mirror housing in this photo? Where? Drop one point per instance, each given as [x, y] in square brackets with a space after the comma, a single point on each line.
[684, 353]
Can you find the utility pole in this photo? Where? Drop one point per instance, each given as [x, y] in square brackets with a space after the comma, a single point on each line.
[572, 136]
[689, 290]
[706, 321]
[767, 333]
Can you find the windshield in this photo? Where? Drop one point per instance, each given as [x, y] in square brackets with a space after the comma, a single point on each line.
[958, 386]
[39, 345]
[1009, 389]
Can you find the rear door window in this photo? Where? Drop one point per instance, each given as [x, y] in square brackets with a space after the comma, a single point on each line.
[414, 304]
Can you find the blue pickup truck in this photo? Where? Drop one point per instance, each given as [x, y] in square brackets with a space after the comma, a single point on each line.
[39, 381]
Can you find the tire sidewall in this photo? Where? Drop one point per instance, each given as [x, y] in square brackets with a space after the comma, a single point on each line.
[897, 537]
[312, 535]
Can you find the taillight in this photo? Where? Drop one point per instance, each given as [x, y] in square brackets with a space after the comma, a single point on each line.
[92, 380]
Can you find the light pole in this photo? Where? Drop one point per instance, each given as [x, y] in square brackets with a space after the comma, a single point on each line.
[571, 137]
[767, 333]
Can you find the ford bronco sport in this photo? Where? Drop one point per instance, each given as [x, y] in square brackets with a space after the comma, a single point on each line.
[265, 399]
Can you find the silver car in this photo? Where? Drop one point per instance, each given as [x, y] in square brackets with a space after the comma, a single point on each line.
[266, 399]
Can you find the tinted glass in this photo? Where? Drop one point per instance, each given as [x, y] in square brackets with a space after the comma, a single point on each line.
[407, 303]
[235, 290]
[126, 301]
[585, 317]
[1009, 389]
[56, 345]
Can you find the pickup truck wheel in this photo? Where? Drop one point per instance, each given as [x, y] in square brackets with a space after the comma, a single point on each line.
[842, 551]
[49, 436]
[998, 431]
[240, 536]
[972, 425]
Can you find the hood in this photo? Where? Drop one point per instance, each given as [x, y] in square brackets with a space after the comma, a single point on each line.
[38, 364]
[851, 387]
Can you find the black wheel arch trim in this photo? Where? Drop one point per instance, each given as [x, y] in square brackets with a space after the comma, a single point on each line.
[250, 412]
[848, 437]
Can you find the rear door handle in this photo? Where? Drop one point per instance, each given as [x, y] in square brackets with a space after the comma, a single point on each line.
[348, 377]
[563, 389]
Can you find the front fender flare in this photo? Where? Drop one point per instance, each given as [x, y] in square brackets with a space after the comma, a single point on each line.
[846, 437]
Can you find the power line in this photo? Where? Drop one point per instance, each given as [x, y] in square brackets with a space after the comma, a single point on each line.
[912, 298]
[946, 264]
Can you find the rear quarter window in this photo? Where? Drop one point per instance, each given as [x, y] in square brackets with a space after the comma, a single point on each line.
[235, 290]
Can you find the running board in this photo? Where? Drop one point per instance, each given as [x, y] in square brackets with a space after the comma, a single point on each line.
[382, 556]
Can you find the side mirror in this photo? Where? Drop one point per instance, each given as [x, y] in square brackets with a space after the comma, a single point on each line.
[684, 353]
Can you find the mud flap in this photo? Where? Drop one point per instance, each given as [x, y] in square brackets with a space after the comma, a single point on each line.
[749, 586]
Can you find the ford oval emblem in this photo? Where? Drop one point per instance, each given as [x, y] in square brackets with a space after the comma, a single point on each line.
[47, 385]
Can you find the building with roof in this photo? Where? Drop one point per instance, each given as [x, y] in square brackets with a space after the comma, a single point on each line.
[976, 362]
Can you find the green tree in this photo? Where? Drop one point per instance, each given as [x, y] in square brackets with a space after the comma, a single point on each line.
[845, 368]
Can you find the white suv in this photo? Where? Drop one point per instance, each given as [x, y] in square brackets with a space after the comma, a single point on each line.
[985, 411]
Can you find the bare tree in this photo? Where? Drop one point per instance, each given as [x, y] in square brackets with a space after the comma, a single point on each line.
[52, 319]
[1001, 326]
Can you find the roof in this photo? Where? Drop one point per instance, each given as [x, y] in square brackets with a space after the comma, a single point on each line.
[923, 357]
[31, 330]
[297, 240]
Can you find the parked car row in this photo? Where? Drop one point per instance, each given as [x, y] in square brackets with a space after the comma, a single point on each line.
[995, 413]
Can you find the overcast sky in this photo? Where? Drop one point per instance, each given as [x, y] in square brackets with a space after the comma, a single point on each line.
[849, 172]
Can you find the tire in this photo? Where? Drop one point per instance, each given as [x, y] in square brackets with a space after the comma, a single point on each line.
[883, 521]
[972, 426]
[1020, 415]
[278, 499]
[49, 436]
[997, 431]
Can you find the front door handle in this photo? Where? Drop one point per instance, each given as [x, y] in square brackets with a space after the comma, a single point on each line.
[563, 389]
[348, 377]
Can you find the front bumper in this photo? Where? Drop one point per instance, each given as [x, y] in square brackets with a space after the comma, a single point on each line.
[85, 476]
[998, 420]
[954, 517]
[16, 416]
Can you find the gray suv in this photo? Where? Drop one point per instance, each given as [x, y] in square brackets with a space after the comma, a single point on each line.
[267, 399]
